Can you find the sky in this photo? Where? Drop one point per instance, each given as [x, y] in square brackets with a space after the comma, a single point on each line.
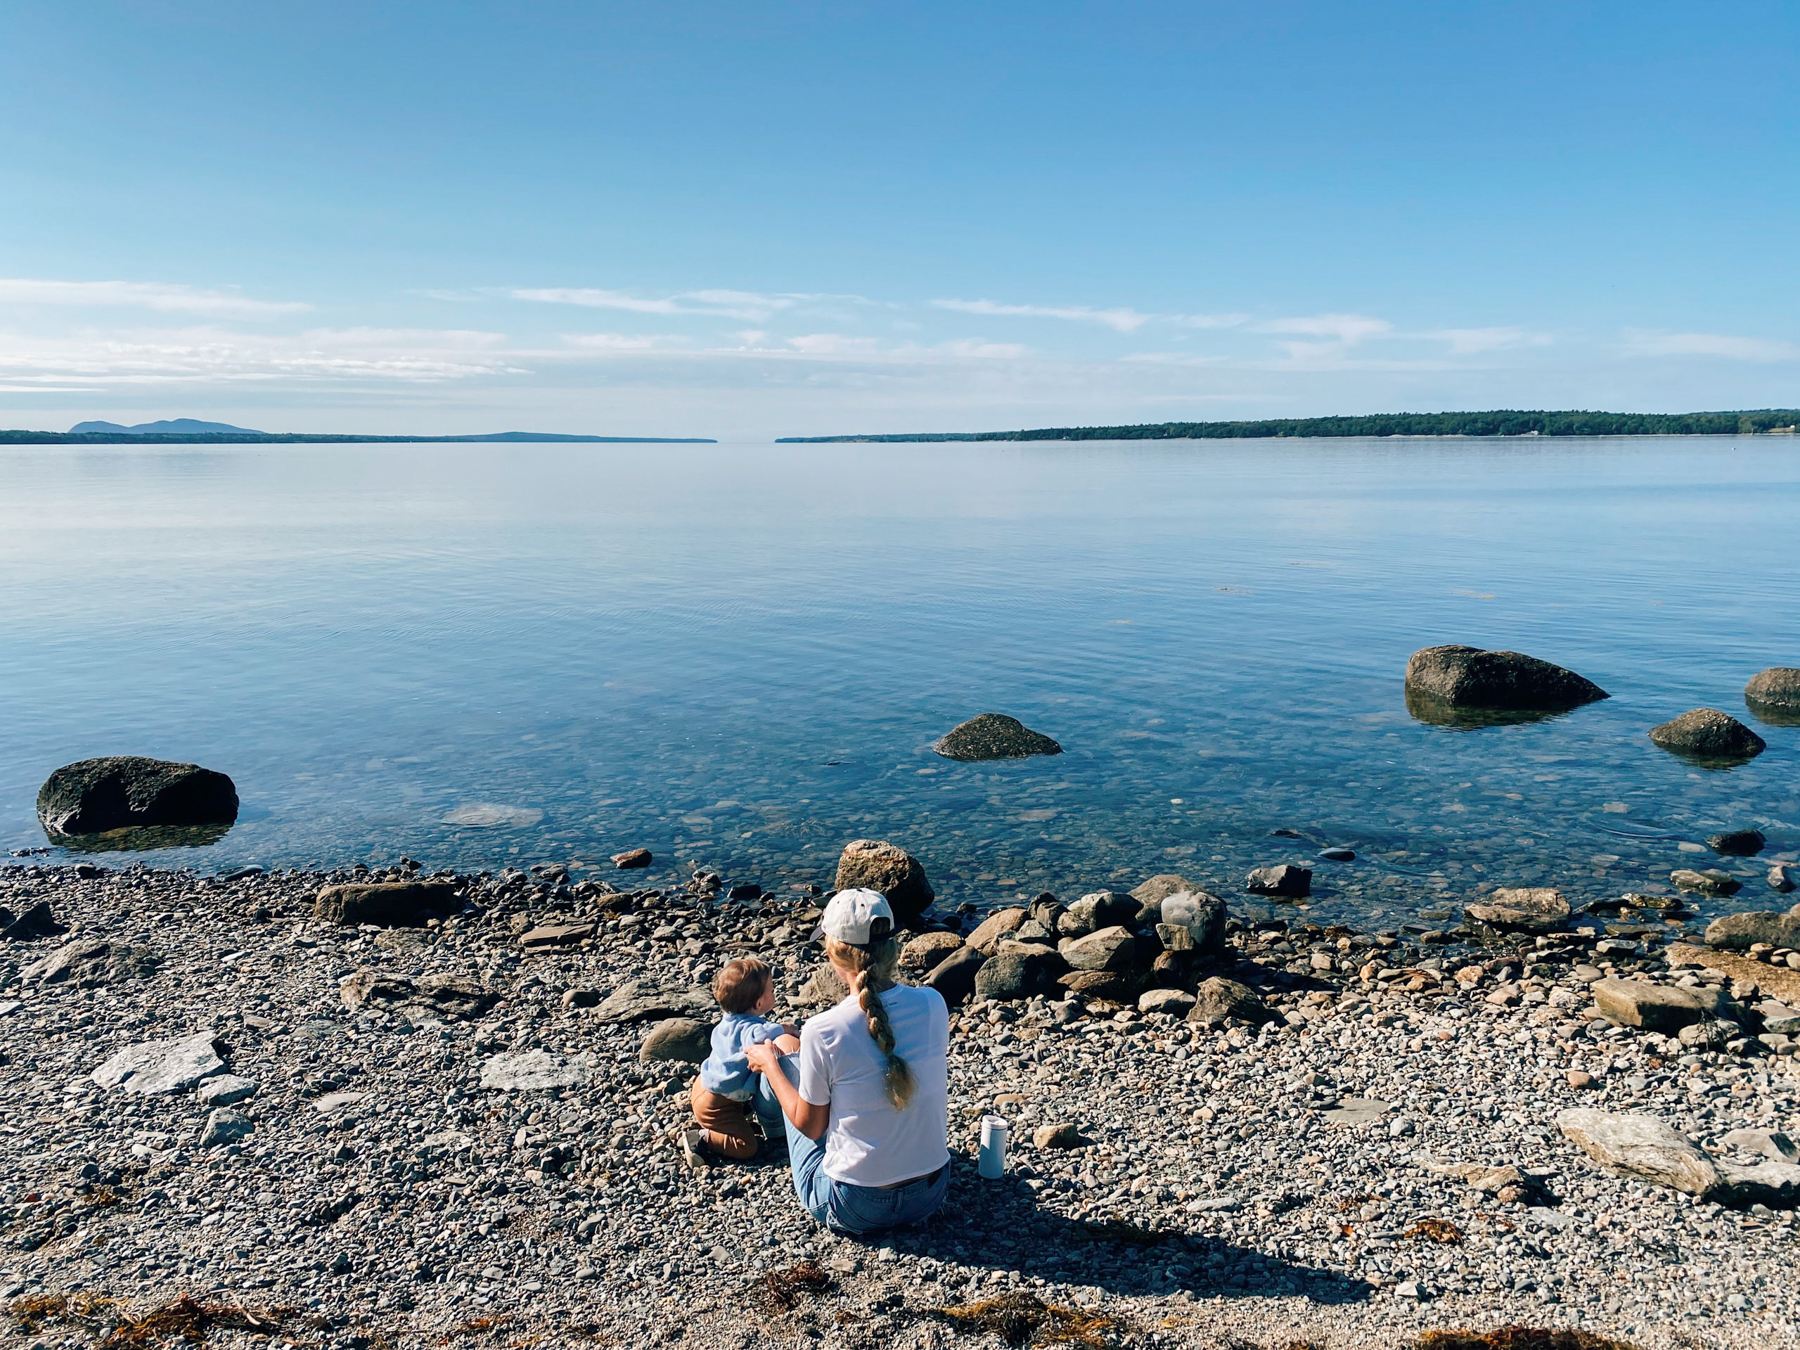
[812, 218]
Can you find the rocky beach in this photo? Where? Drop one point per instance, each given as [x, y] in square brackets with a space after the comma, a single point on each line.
[397, 1108]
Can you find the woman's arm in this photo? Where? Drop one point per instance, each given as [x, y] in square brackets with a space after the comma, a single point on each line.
[810, 1120]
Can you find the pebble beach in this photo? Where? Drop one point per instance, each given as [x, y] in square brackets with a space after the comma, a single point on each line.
[234, 1108]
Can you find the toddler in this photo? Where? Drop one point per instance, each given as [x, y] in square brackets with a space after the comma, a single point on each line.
[729, 1092]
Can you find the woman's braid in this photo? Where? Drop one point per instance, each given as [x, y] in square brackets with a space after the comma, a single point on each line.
[873, 968]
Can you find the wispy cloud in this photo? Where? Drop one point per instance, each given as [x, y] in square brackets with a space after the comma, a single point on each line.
[725, 304]
[1123, 320]
[1346, 328]
[619, 342]
[168, 299]
[1648, 342]
[1474, 341]
[1208, 320]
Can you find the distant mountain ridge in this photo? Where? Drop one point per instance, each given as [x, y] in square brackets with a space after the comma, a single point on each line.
[180, 426]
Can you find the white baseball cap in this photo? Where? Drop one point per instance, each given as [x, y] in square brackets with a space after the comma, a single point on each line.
[858, 917]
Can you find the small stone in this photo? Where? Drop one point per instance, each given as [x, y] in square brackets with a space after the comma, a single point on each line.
[1772, 1144]
[1284, 880]
[225, 1126]
[555, 936]
[1175, 1002]
[580, 998]
[631, 858]
[1407, 1289]
[1356, 1111]
[1579, 1078]
[1056, 1136]
[1338, 854]
[1219, 997]
[225, 1089]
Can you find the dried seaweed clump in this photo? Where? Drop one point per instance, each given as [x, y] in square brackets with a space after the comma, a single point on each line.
[1025, 1319]
[781, 1289]
[1519, 1338]
[188, 1319]
[1436, 1230]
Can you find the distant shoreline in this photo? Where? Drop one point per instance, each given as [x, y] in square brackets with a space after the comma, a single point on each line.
[1470, 425]
[303, 438]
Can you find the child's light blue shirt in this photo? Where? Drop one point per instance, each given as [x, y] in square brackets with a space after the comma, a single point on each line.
[726, 1072]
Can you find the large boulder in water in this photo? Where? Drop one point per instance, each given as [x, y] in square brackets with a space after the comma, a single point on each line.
[1774, 696]
[1708, 734]
[1468, 677]
[122, 792]
[995, 736]
[874, 865]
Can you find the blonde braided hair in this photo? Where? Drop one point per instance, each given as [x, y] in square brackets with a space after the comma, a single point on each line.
[871, 969]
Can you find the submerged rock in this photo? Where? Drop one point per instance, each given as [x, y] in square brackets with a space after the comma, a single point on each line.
[994, 736]
[1707, 733]
[93, 796]
[1468, 677]
[1737, 843]
[1520, 909]
[1285, 880]
[1710, 882]
[879, 866]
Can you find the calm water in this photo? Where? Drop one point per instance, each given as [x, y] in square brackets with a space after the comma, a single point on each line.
[738, 655]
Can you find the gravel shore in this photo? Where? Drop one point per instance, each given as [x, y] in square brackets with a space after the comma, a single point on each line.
[368, 1136]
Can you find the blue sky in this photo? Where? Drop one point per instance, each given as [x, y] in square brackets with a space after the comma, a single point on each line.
[746, 221]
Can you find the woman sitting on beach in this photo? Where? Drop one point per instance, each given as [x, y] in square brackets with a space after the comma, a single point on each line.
[867, 1120]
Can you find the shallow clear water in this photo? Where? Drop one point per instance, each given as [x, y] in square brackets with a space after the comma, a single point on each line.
[738, 655]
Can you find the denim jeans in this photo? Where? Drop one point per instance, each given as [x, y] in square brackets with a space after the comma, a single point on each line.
[856, 1210]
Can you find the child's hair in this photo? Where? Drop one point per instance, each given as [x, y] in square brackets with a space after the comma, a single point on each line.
[872, 970]
[739, 987]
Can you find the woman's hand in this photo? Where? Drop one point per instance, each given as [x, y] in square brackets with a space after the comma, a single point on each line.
[764, 1058]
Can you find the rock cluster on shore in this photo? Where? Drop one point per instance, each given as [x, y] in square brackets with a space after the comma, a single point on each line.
[457, 1129]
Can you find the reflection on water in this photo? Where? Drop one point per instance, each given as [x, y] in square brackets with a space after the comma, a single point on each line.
[140, 839]
[740, 656]
[1442, 713]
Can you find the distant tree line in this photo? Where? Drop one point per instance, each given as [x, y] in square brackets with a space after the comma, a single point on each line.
[1505, 422]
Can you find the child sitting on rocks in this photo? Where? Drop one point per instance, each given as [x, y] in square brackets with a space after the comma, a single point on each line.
[729, 1093]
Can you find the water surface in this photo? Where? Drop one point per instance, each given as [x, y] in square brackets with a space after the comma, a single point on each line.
[739, 655]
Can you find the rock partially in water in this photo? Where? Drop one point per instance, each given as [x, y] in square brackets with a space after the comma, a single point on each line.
[1708, 734]
[1286, 880]
[632, 858]
[1773, 696]
[994, 736]
[1710, 882]
[1739, 932]
[1468, 677]
[876, 865]
[1520, 909]
[119, 792]
[1737, 843]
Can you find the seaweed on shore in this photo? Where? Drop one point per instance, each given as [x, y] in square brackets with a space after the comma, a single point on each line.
[782, 1289]
[1025, 1319]
[1519, 1338]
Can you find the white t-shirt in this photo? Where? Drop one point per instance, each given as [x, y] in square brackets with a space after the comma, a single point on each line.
[868, 1142]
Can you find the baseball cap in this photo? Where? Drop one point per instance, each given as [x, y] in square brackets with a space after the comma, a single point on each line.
[858, 917]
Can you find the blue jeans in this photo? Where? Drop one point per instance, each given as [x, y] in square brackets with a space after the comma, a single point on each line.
[856, 1210]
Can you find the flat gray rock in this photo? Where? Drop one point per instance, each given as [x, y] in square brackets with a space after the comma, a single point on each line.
[1356, 1111]
[225, 1126]
[530, 1071]
[156, 1067]
[1654, 1007]
[225, 1089]
[91, 962]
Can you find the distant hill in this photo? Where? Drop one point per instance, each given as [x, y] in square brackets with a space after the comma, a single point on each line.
[180, 426]
[1504, 422]
[187, 431]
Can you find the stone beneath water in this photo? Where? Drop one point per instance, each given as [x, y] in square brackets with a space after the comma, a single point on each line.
[1773, 695]
[994, 736]
[1710, 882]
[1708, 734]
[93, 796]
[1737, 843]
[1468, 677]
[879, 866]
[635, 857]
[493, 815]
[1520, 909]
